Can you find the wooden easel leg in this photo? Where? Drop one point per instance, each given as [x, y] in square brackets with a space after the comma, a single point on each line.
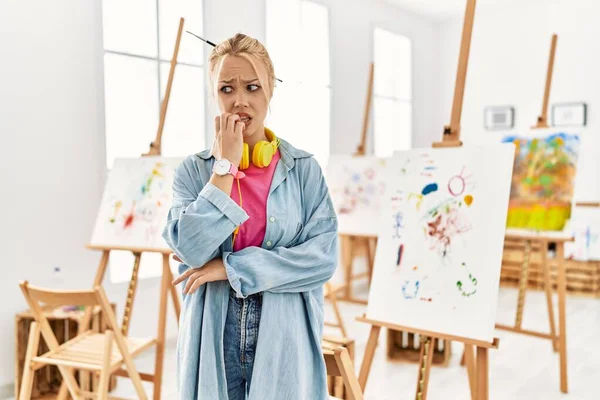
[427, 344]
[131, 294]
[548, 290]
[365, 368]
[482, 374]
[160, 337]
[469, 358]
[331, 294]
[371, 247]
[523, 284]
[347, 244]
[174, 296]
[100, 273]
[562, 316]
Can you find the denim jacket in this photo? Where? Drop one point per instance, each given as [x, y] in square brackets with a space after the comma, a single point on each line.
[298, 255]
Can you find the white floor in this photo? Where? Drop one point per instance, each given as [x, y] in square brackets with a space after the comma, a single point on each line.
[523, 368]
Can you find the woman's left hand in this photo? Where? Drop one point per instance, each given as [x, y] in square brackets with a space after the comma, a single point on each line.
[212, 271]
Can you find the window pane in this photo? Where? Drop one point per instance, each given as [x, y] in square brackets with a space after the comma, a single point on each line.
[393, 65]
[131, 104]
[130, 26]
[190, 49]
[314, 36]
[393, 126]
[183, 133]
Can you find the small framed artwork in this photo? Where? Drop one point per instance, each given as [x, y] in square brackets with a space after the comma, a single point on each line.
[569, 114]
[499, 117]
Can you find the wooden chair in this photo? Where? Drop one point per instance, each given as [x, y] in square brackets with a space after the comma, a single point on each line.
[338, 363]
[87, 351]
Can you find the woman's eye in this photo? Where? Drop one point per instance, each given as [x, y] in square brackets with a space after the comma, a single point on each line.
[226, 89]
[252, 88]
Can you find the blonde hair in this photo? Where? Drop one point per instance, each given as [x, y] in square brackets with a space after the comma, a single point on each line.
[249, 48]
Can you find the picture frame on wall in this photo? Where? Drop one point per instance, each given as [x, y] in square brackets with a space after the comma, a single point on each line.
[499, 117]
[569, 114]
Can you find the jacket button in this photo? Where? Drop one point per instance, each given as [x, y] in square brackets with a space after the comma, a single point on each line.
[272, 219]
[269, 243]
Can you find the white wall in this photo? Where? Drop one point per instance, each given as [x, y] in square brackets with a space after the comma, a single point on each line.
[53, 159]
[51, 119]
[508, 62]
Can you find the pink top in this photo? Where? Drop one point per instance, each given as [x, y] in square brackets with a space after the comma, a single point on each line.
[255, 191]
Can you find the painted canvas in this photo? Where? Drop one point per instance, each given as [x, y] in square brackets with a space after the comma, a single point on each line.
[356, 186]
[584, 226]
[133, 212]
[439, 252]
[543, 179]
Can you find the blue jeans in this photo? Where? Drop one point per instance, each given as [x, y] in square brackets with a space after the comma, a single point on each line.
[239, 343]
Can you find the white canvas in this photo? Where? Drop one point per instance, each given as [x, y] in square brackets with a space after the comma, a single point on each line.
[356, 186]
[584, 226]
[439, 253]
[133, 212]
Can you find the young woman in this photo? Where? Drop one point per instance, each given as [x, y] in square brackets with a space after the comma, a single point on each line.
[256, 233]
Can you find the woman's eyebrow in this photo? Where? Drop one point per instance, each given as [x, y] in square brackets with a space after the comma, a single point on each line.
[231, 80]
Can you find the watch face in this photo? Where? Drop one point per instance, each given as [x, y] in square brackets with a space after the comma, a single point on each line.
[222, 167]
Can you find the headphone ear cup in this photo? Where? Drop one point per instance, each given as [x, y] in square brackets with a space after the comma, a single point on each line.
[262, 154]
[245, 163]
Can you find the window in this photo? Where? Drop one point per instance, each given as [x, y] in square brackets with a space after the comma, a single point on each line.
[392, 97]
[298, 43]
[139, 39]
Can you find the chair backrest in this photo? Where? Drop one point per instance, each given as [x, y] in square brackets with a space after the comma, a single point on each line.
[60, 297]
[89, 298]
[338, 363]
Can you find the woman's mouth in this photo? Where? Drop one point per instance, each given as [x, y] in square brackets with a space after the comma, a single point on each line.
[245, 118]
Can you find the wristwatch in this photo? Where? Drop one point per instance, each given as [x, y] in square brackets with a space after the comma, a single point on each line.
[223, 167]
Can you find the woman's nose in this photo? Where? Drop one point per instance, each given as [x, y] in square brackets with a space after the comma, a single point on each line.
[241, 99]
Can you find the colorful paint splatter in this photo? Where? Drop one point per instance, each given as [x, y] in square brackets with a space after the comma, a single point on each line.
[543, 180]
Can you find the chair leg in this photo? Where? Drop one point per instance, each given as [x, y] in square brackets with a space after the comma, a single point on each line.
[32, 349]
[105, 373]
[63, 391]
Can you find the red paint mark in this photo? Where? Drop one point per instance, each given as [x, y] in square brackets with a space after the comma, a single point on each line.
[128, 221]
[415, 268]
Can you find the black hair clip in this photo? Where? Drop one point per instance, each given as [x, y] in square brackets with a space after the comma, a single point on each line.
[214, 45]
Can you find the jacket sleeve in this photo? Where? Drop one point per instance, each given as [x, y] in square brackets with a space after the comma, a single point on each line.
[301, 268]
[198, 223]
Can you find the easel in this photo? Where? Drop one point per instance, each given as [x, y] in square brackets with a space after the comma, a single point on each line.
[559, 340]
[167, 276]
[350, 244]
[541, 240]
[477, 366]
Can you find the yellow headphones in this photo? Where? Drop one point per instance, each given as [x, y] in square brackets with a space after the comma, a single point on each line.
[263, 151]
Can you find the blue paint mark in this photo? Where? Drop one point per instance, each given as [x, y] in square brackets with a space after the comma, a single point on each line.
[432, 187]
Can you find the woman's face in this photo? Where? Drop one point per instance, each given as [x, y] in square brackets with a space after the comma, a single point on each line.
[240, 92]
